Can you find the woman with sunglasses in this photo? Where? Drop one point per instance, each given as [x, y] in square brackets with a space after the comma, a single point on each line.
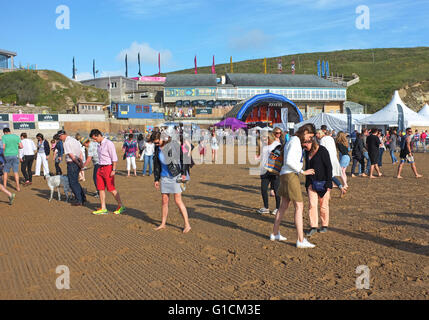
[279, 137]
[290, 186]
[169, 171]
[269, 144]
[318, 186]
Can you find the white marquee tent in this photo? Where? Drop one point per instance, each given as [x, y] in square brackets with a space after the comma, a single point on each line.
[334, 121]
[425, 111]
[388, 116]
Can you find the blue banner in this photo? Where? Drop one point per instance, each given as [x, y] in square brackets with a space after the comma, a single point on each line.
[327, 68]
[318, 68]
[349, 120]
[401, 120]
[323, 68]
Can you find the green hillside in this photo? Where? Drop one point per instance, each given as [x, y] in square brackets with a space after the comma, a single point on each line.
[391, 69]
[46, 88]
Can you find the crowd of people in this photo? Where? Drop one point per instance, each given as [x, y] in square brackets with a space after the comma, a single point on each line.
[309, 152]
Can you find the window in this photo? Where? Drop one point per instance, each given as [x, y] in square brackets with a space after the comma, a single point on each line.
[123, 108]
[131, 96]
[143, 95]
[146, 109]
[139, 109]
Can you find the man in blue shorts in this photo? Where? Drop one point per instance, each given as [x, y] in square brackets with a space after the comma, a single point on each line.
[407, 154]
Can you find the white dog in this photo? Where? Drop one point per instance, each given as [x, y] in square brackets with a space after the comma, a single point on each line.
[56, 182]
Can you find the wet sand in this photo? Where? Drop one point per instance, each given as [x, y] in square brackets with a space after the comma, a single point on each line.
[383, 224]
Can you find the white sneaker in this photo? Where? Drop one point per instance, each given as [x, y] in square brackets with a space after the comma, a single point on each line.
[278, 237]
[304, 244]
[263, 211]
[275, 211]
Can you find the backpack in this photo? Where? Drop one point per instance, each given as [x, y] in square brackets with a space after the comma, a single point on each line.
[275, 161]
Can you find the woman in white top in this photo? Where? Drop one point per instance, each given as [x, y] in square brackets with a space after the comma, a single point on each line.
[290, 186]
[148, 156]
[268, 178]
[214, 144]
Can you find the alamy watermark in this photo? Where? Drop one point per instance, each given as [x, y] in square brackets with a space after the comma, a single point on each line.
[63, 20]
[63, 280]
[363, 281]
[363, 20]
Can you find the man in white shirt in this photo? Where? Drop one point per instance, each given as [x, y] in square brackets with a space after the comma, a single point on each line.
[26, 157]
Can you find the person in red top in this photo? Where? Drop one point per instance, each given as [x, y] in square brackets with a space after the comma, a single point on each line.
[423, 137]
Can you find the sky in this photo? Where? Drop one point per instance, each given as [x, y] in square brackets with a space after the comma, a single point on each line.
[182, 29]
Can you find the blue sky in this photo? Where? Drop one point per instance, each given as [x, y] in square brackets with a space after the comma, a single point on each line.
[106, 30]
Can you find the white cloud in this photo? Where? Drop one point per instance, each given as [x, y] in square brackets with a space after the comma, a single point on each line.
[139, 8]
[253, 39]
[112, 73]
[147, 54]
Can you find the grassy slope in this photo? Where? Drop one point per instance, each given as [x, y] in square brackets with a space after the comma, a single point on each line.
[393, 69]
[46, 88]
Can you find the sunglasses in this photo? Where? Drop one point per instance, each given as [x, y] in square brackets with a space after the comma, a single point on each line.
[277, 133]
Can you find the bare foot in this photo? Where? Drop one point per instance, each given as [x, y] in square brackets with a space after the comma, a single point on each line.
[419, 176]
[187, 229]
[372, 177]
[399, 177]
[364, 175]
[161, 227]
[343, 192]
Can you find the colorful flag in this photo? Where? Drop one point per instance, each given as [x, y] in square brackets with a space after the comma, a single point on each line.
[318, 68]
[195, 61]
[159, 64]
[213, 66]
[293, 67]
[265, 65]
[280, 65]
[323, 68]
[232, 66]
[327, 68]
[140, 69]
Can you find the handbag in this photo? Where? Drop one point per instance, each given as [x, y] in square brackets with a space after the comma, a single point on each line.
[275, 162]
[319, 186]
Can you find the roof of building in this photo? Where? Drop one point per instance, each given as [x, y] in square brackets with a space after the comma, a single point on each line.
[8, 53]
[191, 80]
[278, 80]
[107, 78]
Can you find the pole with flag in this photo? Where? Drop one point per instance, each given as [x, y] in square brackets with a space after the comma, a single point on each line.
[159, 64]
[195, 62]
[318, 68]
[265, 65]
[140, 69]
[213, 66]
[280, 65]
[323, 68]
[232, 66]
[74, 69]
[327, 69]
[126, 66]
[293, 66]
[93, 68]
[349, 120]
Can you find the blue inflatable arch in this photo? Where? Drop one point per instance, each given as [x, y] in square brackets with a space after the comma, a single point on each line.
[267, 96]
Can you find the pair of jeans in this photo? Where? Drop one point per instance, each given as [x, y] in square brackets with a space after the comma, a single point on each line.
[266, 180]
[94, 175]
[73, 175]
[368, 164]
[26, 165]
[380, 157]
[392, 155]
[148, 160]
[58, 170]
[337, 182]
[361, 165]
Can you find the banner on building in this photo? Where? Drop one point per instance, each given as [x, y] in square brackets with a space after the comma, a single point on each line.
[4, 125]
[401, 119]
[285, 115]
[23, 117]
[49, 125]
[48, 117]
[349, 120]
[205, 111]
[4, 117]
[24, 126]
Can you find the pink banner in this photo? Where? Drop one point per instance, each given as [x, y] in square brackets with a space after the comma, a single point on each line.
[23, 118]
[150, 79]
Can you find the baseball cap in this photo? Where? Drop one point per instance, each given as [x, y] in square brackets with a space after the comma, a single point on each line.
[61, 132]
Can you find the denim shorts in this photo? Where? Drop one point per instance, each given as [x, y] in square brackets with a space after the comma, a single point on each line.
[11, 163]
